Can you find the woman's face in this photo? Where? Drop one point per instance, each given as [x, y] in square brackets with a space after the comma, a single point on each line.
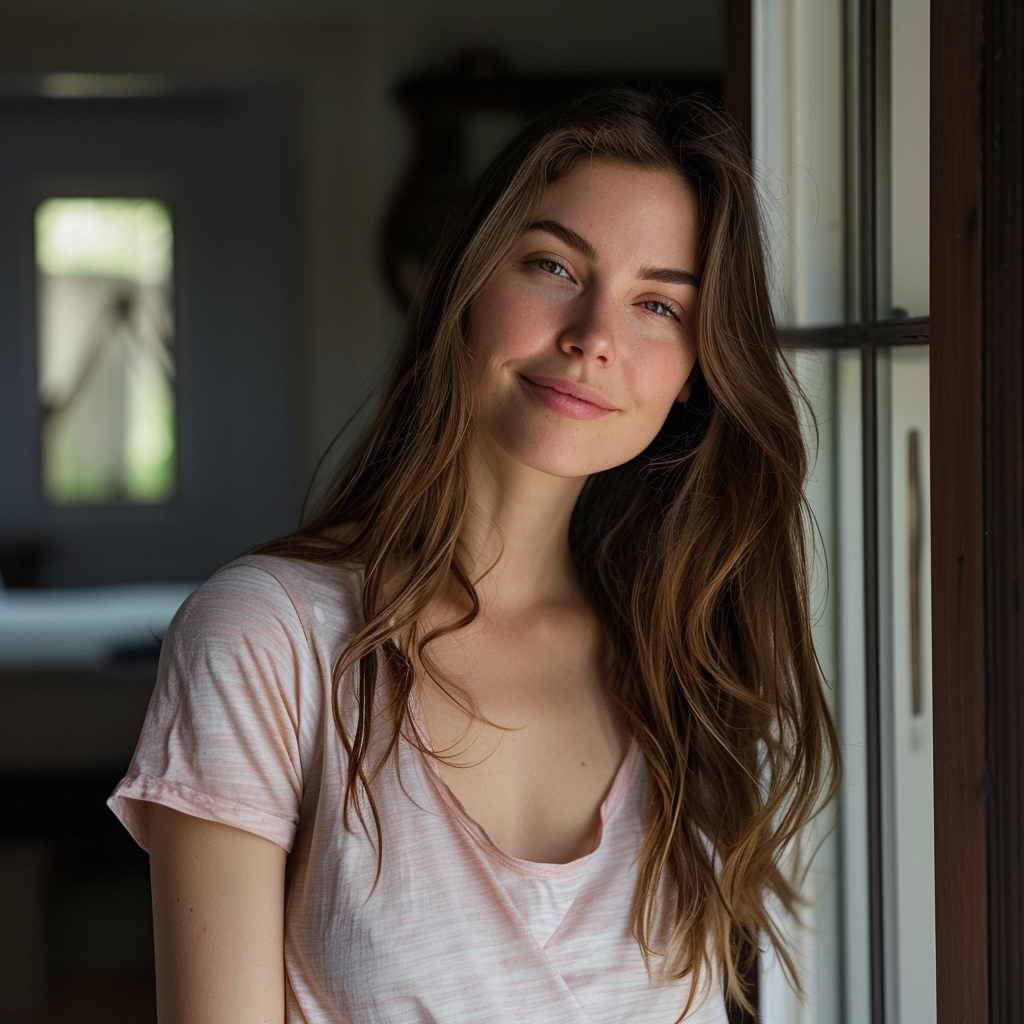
[585, 336]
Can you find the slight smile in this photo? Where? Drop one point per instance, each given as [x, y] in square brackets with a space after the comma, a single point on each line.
[567, 397]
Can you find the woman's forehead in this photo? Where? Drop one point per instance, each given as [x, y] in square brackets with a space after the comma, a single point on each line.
[622, 206]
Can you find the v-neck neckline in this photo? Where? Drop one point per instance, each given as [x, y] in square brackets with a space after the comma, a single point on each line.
[530, 868]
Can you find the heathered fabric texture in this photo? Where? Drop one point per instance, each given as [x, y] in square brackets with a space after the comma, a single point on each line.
[457, 931]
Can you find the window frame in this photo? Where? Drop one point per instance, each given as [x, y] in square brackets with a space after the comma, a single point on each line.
[976, 336]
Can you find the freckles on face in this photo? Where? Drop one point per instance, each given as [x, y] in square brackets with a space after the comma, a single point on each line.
[584, 338]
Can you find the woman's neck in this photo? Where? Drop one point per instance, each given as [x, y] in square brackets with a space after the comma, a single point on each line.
[515, 541]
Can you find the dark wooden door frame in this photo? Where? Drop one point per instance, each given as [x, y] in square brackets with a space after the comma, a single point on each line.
[977, 473]
[957, 527]
[1003, 395]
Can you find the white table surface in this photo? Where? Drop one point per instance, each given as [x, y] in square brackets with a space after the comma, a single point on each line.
[82, 626]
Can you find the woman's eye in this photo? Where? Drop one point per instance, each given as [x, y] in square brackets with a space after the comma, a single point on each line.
[659, 308]
[552, 267]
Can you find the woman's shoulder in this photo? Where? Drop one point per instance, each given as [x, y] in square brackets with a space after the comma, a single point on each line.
[304, 582]
[262, 598]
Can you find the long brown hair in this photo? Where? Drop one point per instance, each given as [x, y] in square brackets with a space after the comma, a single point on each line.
[694, 554]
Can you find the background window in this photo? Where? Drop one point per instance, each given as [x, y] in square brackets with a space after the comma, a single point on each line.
[105, 351]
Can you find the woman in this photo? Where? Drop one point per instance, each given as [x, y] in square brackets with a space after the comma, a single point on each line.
[524, 723]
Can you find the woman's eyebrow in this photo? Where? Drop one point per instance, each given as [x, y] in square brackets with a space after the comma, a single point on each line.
[581, 245]
[567, 235]
[666, 276]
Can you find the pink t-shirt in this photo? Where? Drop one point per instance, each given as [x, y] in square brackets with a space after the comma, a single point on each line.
[457, 931]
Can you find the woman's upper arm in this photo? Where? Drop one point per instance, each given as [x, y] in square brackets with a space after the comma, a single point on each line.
[218, 921]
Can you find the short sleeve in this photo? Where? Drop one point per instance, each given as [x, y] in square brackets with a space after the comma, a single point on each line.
[221, 736]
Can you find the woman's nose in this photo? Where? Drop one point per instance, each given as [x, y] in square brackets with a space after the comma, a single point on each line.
[592, 330]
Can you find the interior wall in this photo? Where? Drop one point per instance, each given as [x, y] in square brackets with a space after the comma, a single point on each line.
[348, 321]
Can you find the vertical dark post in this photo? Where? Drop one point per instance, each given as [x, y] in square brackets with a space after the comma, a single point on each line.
[868, 262]
[738, 101]
[1003, 369]
[872, 688]
[737, 79]
[957, 527]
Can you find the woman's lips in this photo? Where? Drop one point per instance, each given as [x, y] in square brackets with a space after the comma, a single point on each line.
[567, 397]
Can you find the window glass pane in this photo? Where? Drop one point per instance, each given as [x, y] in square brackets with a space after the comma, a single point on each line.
[834, 949]
[903, 139]
[906, 679]
[105, 351]
[798, 139]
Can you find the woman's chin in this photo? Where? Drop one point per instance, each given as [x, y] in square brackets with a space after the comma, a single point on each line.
[565, 453]
[563, 461]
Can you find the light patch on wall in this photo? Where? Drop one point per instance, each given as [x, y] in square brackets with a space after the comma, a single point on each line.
[106, 351]
[76, 85]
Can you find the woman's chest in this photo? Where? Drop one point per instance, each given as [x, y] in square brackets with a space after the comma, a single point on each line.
[449, 931]
[527, 736]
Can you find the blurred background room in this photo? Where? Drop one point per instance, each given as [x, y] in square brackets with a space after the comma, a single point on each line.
[213, 214]
[212, 218]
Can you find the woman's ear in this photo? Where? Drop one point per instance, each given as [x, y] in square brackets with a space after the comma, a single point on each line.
[687, 388]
